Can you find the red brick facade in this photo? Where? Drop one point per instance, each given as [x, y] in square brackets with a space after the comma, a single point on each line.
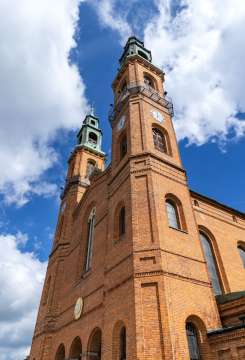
[153, 279]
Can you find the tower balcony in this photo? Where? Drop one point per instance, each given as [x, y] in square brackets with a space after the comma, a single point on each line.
[73, 180]
[146, 90]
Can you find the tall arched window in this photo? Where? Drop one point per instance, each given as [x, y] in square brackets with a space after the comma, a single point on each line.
[124, 147]
[122, 221]
[123, 344]
[158, 140]
[90, 234]
[89, 169]
[211, 265]
[92, 137]
[172, 215]
[242, 254]
[192, 342]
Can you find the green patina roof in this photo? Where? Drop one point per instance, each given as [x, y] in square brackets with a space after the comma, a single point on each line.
[135, 47]
[90, 135]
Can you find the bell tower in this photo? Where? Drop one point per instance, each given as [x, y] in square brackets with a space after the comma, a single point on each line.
[86, 158]
[160, 224]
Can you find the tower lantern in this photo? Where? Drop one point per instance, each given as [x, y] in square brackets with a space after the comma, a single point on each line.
[135, 47]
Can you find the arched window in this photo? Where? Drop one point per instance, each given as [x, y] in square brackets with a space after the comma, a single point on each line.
[234, 218]
[89, 169]
[123, 344]
[192, 341]
[158, 140]
[143, 55]
[172, 215]
[211, 265]
[92, 137]
[242, 254]
[122, 221]
[76, 349]
[147, 81]
[60, 355]
[124, 147]
[124, 87]
[46, 292]
[196, 203]
[94, 347]
[90, 234]
[92, 122]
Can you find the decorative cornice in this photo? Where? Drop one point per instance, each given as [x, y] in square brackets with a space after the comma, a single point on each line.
[217, 204]
[177, 276]
[226, 334]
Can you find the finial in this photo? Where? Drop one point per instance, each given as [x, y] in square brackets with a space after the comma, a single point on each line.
[132, 32]
[92, 109]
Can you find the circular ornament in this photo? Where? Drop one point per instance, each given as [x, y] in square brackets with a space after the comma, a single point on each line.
[63, 208]
[120, 124]
[78, 308]
[157, 116]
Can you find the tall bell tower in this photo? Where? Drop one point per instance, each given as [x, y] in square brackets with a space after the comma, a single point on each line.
[169, 268]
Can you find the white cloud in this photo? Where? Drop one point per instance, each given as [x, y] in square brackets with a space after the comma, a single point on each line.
[202, 52]
[109, 16]
[21, 282]
[40, 92]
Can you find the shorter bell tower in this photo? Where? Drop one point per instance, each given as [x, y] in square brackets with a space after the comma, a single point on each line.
[86, 158]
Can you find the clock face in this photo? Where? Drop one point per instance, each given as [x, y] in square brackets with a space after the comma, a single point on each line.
[78, 308]
[157, 116]
[63, 208]
[120, 124]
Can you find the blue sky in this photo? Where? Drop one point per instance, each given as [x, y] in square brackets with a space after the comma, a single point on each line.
[59, 57]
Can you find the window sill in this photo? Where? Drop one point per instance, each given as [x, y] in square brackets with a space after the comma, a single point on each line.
[185, 232]
[119, 238]
[163, 152]
[84, 276]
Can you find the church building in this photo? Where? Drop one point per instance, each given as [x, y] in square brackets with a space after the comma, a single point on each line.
[142, 267]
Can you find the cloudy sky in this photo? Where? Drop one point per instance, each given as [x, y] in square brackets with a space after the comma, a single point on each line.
[56, 57]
